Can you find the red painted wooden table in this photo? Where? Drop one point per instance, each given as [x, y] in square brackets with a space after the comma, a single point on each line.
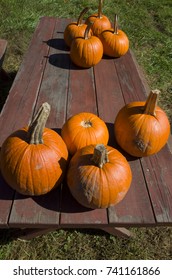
[47, 74]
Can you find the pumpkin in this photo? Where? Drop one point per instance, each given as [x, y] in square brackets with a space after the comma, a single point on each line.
[100, 21]
[75, 29]
[99, 176]
[83, 129]
[115, 41]
[34, 159]
[86, 51]
[142, 128]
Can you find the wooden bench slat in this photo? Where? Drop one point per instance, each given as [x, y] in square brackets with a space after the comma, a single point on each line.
[54, 87]
[81, 95]
[158, 174]
[111, 95]
[36, 212]
[44, 210]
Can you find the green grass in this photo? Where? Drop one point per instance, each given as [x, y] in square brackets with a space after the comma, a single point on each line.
[148, 26]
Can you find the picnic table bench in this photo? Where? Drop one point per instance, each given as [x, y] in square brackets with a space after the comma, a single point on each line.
[47, 74]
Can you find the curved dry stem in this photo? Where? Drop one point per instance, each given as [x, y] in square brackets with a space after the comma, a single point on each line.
[37, 125]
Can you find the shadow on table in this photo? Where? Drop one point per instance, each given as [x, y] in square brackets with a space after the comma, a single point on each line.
[58, 44]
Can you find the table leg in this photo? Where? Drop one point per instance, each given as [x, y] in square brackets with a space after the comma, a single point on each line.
[118, 231]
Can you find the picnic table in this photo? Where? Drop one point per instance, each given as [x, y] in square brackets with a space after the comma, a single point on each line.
[48, 75]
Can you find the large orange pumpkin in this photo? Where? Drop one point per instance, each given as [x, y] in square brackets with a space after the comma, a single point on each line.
[84, 129]
[142, 128]
[75, 29]
[86, 51]
[100, 21]
[115, 41]
[98, 176]
[33, 159]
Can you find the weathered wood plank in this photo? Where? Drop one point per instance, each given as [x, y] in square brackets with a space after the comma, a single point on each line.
[55, 82]
[157, 169]
[23, 94]
[113, 89]
[81, 95]
[44, 210]
[81, 98]
[36, 212]
[158, 173]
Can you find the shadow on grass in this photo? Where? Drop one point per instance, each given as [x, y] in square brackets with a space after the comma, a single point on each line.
[6, 80]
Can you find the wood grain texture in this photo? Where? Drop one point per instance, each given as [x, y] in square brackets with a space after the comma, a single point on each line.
[47, 74]
[113, 91]
[44, 210]
[158, 175]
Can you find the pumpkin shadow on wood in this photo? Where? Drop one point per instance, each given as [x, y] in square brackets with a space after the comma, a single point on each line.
[69, 204]
[6, 192]
[62, 60]
[51, 200]
[58, 44]
[113, 143]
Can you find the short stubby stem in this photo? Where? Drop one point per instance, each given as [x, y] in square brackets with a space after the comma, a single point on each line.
[86, 123]
[100, 156]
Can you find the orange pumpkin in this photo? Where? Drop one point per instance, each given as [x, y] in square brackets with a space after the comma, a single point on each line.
[100, 21]
[84, 129]
[75, 29]
[34, 159]
[142, 128]
[98, 176]
[115, 41]
[86, 51]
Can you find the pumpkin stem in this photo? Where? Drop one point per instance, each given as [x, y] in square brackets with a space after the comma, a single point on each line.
[79, 21]
[116, 25]
[86, 34]
[100, 9]
[151, 102]
[37, 125]
[100, 156]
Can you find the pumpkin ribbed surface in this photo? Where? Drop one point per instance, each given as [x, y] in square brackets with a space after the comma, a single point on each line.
[98, 182]
[33, 169]
[142, 128]
[84, 129]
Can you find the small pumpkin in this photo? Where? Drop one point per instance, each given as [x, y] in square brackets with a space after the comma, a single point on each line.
[99, 176]
[86, 51]
[76, 29]
[34, 159]
[83, 129]
[100, 21]
[115, 41]
[142, 128]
